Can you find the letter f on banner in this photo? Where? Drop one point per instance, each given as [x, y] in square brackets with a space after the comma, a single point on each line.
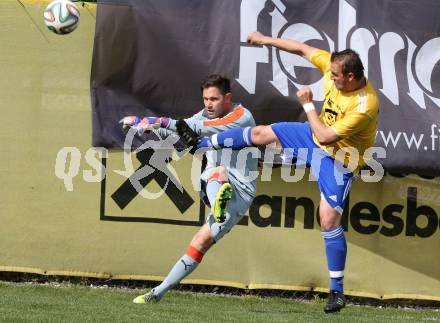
[250, 56]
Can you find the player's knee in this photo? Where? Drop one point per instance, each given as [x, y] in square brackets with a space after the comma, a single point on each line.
[258, 135]
[329, 218]
[264, 135]
[222, 171]
[219, 173]
[328, 224]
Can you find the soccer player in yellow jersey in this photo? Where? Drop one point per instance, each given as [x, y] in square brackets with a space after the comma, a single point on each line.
[335, 140]
[350, 107]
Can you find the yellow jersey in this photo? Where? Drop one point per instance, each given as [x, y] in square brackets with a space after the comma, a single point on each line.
[353, 115]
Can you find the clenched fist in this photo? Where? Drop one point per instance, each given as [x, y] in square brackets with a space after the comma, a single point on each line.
[256, 38]
[305, 95]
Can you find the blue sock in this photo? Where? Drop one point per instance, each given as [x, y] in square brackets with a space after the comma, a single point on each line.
[236, 138]
[336, 251]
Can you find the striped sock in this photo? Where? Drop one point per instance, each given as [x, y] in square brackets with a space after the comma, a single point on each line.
[183, 267]
[336, 251]
[236, 138]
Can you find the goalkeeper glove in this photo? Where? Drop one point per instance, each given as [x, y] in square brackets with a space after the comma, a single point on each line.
[145, 124]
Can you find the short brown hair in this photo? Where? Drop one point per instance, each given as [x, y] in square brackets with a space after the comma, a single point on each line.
[218, 81]
[350, 62]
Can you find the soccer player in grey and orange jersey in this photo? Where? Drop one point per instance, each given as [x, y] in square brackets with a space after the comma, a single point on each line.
[228, 187]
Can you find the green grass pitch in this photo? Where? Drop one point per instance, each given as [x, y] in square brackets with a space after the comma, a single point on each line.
[74, 303]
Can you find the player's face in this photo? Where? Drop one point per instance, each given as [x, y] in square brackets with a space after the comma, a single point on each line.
[216, 104]
[340, 79]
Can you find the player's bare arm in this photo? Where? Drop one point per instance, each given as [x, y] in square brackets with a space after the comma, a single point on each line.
[325, 134]
[288, 45]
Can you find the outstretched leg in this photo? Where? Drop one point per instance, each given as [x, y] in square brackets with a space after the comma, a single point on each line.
[236, 138]
[239, 138]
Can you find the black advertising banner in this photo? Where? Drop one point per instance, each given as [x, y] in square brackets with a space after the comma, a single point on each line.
[150, 57]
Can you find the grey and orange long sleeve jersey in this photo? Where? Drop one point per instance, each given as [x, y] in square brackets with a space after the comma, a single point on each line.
[242, 165]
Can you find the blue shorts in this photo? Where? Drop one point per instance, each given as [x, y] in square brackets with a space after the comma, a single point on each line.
[334, 179]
